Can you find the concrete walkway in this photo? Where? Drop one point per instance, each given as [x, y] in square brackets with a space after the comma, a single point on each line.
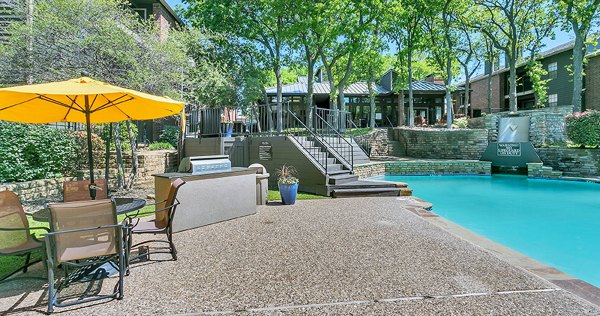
[367, 256]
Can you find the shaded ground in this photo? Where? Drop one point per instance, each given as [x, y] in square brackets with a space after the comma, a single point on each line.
[366, 256]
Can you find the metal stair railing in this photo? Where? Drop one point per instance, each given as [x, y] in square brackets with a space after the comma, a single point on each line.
[338, 144]
[297, 130]
[338, 117]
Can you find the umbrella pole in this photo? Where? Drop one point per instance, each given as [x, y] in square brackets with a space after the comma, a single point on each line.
[107, 155]
[92, 185]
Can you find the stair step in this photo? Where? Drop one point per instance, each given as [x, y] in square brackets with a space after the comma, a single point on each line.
[361, 185]
[339, 193]
[342, 178]
[340, 172]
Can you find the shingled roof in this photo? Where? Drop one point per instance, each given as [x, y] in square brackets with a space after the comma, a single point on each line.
[357, 88]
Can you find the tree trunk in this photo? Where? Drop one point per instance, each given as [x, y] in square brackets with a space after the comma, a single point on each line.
[134, 156]
[512, 85]
[119, 149]
[400, 109]
[279, 100]
[309, 94]
[269, 114]
[467, 88]
[449, 107]
[578, 72]
[371, 102]
[489, 93]
[411, 110]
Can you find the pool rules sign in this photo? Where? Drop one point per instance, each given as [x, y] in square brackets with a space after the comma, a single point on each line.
[265, 151]
[509, 149]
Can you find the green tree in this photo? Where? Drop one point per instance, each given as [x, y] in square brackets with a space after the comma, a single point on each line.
[443, 38]
[508, 25]
[263, 23]
[403, 25]
[578, 16]
[61, 39]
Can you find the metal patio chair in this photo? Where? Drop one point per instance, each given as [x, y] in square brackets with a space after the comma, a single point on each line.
[161, 224]
[16, 238]
[87, 243]
[79, 190]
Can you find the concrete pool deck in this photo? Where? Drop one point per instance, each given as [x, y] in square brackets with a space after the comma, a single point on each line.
[361, 256]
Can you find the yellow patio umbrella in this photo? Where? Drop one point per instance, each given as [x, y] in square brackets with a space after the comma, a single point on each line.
[82, 100]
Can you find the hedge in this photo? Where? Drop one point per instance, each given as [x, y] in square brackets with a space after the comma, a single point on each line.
[583, 128]
[30, 152]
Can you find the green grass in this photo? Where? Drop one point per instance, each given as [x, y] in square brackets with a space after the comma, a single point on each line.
[275, 196]
[10, 263]
[358, 131]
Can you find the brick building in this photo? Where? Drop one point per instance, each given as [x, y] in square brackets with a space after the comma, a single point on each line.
[556, 61]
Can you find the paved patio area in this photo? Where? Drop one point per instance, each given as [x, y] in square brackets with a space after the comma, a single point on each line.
[367, 256]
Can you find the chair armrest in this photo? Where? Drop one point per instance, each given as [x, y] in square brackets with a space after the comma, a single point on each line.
[156, 203]
[26, 229]
[83, 229]
[152, 212]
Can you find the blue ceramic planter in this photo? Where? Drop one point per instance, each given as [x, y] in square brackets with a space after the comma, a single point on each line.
[228, 130]
[288, 193]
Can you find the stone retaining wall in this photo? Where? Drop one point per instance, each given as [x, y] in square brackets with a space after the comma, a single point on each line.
[424, 167]
[51, 189]
[547, 125]
[377, 141]
[438, 143]
[573, 162]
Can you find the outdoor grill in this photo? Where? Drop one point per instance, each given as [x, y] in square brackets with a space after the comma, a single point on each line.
[201, 164]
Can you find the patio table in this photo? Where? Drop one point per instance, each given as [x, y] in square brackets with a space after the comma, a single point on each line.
[124, 205]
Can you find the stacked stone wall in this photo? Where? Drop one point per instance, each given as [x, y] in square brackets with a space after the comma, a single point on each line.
[573, 162]
[424, 167]
[434, 143]
[52, 189]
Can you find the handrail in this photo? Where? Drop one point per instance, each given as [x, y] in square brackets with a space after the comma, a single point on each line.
[299, 127]
[349, 163]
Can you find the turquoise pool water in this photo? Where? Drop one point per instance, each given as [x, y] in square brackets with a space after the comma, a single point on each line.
[556, 222]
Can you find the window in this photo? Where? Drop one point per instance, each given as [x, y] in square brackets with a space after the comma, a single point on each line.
[552, 70]
[142, 12]
[553, 100]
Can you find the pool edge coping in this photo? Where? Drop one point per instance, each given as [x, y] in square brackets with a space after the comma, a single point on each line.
[567, 282]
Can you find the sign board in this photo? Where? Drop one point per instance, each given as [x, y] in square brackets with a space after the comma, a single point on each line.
[265, 151]
[509, 149]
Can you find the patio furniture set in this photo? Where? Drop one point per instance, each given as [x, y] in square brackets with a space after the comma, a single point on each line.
[85, 241]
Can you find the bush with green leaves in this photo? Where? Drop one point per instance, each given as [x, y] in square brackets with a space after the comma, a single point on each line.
[33, 151]
[98, 150]
[160, 146]
[169, 134]
[461, 122]
[583, 128]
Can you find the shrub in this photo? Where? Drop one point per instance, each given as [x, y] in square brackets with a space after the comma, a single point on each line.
[583, 128]
[32, 151]
[461, 122]
[98, 150]
[170, 134]
[160, 146]
[287, 175]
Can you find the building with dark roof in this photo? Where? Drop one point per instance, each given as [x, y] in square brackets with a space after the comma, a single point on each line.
[557, 62]
[428, 99]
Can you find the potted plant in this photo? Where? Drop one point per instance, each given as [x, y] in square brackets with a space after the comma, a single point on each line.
[288, 184]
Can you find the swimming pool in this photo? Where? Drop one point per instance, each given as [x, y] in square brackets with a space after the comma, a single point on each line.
[555, 222]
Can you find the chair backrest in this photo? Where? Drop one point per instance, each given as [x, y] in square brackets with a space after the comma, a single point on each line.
[163, 218]
[12, 216]
[79, 190]
[84, 244]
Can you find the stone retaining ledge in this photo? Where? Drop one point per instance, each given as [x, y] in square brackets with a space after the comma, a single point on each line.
[424, 167]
